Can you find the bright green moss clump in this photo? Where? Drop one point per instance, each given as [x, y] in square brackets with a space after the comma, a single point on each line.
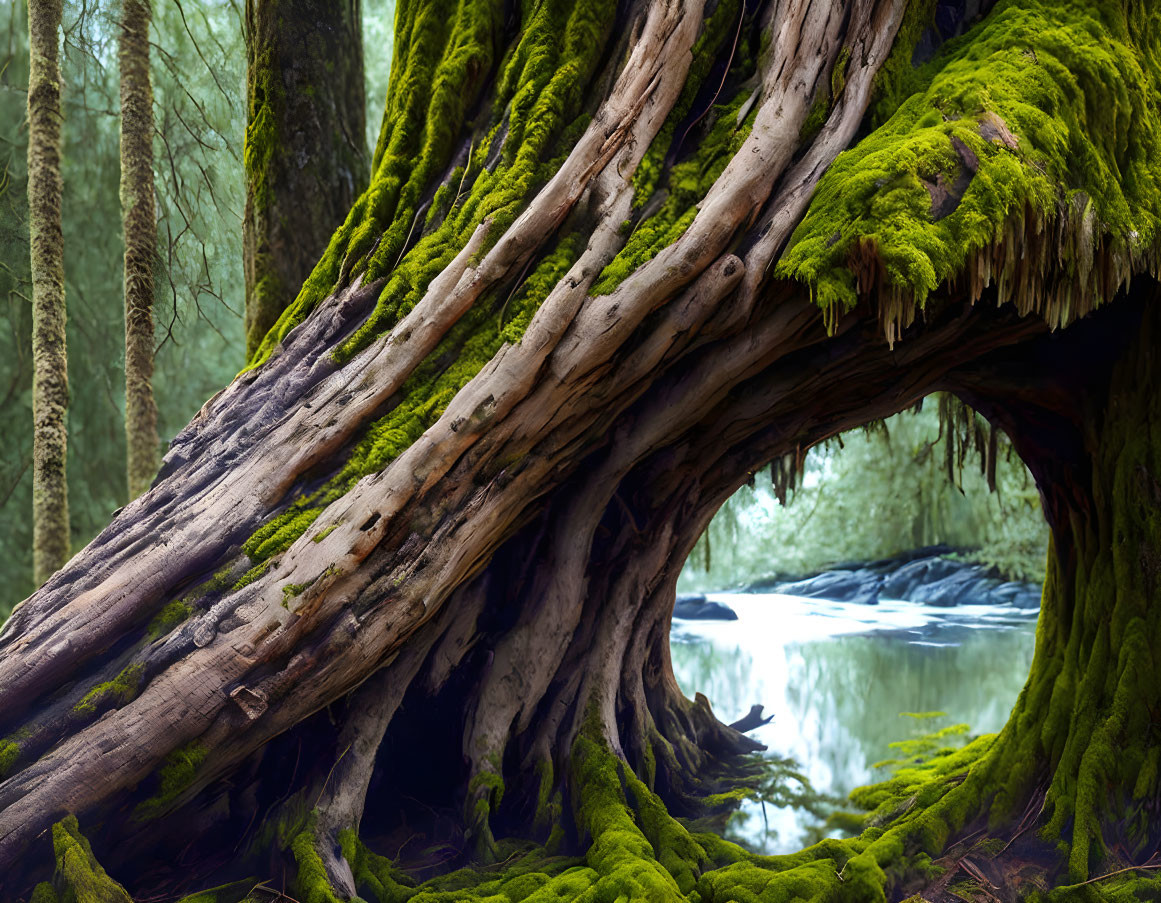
[168, 618]
[119, 691]
[9, 753]
[176, 774]
[312, 884]
[44, 893]
[82, 876]
[1051, 98]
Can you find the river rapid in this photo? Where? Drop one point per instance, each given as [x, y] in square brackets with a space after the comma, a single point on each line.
[837, 677]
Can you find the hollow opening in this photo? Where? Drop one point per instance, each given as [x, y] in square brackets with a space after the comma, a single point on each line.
[886, 609]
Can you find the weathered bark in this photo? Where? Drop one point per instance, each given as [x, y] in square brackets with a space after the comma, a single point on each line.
[407, 582]
[139, 222]
[305, 155]
[50, 386]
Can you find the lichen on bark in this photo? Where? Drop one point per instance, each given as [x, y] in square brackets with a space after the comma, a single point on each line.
[50, 388]
[304, 156]
[139, 223]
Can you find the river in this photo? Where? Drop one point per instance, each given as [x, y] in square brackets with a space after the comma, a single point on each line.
[838, 677]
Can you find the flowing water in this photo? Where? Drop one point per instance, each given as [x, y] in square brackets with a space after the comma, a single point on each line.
[837, 678]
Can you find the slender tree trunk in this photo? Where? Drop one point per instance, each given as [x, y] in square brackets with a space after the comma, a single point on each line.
[305, 153]
[403, 589]
[139, 222]
[50, 387]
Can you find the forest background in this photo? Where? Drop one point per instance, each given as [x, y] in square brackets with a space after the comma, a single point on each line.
[862, 496]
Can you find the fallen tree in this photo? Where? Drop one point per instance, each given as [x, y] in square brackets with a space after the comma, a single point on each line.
[401, 592]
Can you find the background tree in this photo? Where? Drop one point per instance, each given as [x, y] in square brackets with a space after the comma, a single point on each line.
[139, 223]
[306, 157]
[451, 497]
[199, 90]
[50, 386]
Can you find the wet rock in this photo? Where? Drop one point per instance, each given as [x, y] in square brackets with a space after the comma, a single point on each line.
[922, 572]
[696, 607]
[925, 576]
[1028, 598]
[955, 589]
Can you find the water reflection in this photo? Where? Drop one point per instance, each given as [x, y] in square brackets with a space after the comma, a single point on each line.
[837, 676]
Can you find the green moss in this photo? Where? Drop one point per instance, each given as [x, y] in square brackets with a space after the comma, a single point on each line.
[168, 618]
[253, 574]
[716, 39]
[1035, 68]
[294, 589]
[838, 75]
[277, 535]
[375, 872]
[688, 183]
[9, 753]
[311, 884]
[82, 877]
[44, 893]
[897, 79]
[117, 692]
[324, 533]
[176, 774]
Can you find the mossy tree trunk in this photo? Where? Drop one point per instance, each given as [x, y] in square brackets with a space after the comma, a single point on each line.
[305, 153]
[50, 385]
[403, 589]
[139, 222]
[1084, 732]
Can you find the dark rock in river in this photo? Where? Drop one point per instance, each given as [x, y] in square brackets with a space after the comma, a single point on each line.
[860, 585]
[925, 576]
[696, 607]
[955, 589]
[920, 572]
[1028, 598]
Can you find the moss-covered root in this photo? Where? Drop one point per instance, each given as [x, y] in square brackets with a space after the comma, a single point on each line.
[79, 876]
[635, 850]
[311, 883]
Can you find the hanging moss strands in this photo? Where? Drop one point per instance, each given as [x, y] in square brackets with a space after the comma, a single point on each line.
[1002, 169]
